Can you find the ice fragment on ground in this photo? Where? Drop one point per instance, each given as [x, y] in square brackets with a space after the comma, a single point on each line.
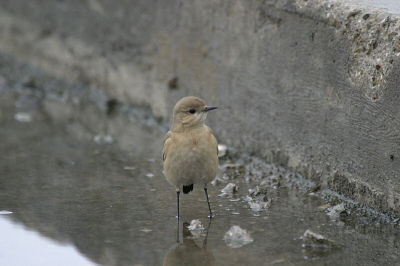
[222, 149]
[103, 138]
[230, 188]
[195, 224]
[337, 210]
[23, 117]
[315, 241]
[259, 194]
[196, 227]
[237, 237]
[258, 199]
[259, 206]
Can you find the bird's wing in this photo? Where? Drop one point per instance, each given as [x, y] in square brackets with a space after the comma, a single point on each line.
[166, 144]
[214, 140]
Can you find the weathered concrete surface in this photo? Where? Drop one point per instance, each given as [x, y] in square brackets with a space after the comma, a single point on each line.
[309, 84]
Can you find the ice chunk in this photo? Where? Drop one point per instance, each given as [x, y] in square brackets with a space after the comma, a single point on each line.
[237, 237]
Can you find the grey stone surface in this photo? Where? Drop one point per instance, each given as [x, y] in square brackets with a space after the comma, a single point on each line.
[312, 85]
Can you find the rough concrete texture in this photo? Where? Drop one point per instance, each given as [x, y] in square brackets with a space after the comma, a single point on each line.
[312, 85]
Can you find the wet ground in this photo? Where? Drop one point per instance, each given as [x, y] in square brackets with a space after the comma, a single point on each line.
[81, 183]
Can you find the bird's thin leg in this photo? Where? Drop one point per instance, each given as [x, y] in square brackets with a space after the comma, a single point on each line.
[177, 196]
[177, 233]
[209, 207]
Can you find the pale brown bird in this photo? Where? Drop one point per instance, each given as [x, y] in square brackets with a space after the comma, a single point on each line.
[190, 150]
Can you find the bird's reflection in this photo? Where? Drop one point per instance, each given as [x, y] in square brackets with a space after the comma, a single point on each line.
[188, 252]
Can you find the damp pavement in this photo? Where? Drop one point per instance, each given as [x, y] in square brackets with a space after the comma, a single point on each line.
[81, 183]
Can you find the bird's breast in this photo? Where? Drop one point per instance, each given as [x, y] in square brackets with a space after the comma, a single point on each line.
[191, 158]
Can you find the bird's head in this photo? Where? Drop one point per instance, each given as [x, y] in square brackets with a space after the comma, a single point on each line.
[190, 112]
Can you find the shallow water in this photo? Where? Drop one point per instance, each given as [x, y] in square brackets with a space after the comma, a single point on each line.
[67, 194]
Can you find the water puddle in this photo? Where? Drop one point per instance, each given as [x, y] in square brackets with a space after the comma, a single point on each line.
[69, 193]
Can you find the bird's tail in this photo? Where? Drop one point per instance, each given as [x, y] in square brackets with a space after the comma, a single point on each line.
[187, 189]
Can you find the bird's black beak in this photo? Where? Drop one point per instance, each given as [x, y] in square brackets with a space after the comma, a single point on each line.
[209, 108]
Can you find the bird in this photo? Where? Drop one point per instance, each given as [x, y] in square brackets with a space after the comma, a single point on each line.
[190, 149]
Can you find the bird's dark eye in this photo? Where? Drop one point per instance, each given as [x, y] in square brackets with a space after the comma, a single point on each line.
[192, 111]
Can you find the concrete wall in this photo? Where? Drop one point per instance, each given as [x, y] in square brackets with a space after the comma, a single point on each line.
[312, 85]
